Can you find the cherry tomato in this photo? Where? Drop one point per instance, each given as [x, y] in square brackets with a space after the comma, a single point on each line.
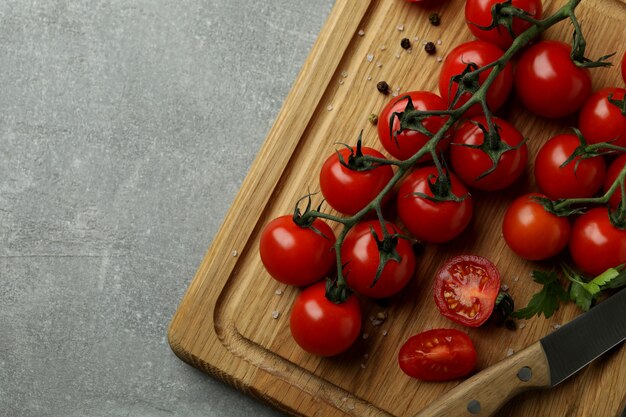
[532, 232]
[602, 121]
[466, 288]
[438, 355]
[470, 163]
[480, 53]
[430, 221]
[478, 13]
[297, 255]
[548, 82]
[611, 174]
[596, 244]
[322, 327]
[407, 143]
[348, 191]
[361, 256]
[570, 181]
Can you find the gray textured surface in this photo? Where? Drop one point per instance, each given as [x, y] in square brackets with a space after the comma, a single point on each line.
[119, 156]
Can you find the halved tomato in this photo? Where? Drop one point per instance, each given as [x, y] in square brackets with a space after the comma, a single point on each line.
[466, 288]
[438, 355]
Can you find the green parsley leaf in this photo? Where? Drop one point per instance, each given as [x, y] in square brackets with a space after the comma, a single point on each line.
[579, 295]
[547, 300]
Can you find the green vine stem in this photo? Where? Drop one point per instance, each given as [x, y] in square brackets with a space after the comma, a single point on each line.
[454, 115]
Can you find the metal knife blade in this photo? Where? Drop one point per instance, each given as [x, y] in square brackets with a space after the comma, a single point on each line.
[585, 338]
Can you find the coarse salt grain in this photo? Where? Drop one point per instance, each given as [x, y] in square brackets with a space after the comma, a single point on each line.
[379, 65]
[556, 326]
[234, 253]
[340, 82]
[397, 56]
[438, 41]
[330, 107]
[362, 366]
[275, 314]
[366, 335]
[361, 32]
[439, 59]
[383, 47]
[369, 78]
[510, 352]
[521, 325]
[278, 292]
[504, 287]
[395, 94]
[385, 332]
[370, 57]
[344, 74]
[416, 38]
[400, 27]
[516, 279]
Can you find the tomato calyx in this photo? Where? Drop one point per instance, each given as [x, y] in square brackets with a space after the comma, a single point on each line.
[618, 216]
[386, 250]
[335, 292]
[620, 104]
[502, 310]
[357, 161]
[578, 48]
[467, 81]
[502, 14]
[557, 207]
[493, 145]
[410, 119]
[441, 188]
[303, 219]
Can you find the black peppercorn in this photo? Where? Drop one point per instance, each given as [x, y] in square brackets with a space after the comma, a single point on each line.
[434, 19]
[405, 43]
[430, 48]
[383, 87]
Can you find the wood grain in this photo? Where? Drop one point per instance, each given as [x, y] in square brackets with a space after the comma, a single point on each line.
[224, 324]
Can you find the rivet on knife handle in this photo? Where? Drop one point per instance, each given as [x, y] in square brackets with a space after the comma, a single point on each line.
[484, 393]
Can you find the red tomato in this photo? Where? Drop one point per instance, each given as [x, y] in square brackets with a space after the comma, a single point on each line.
[548, 82]
[596, 244]
[430, 221]
[297, 255]
[361, 256]
[480, 53]
[438, 355]
[322, 327]
[349, 191]
[569, 181]
[602, 121]
[466, 288]
[478, 13]
[611, 174]
[533, 233]
[470, 163]
[407, 143]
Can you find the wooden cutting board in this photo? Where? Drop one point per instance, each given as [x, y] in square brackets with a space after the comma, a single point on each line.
[225, 326]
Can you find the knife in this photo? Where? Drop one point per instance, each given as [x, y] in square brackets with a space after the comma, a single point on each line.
[544, 364]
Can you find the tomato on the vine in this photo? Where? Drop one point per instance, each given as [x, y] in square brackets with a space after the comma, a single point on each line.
[611, 174]
[349, 190]
[361, 256]
[601, 120]
[548, 82]
[469, 163]
[407, 143]
[466, 288]
[322, 327]
[480, 53]
[580, 178]
[597, 244]
[433, 221]
[438, 355]
[532, 232]
[478, 13]
[297, 255]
